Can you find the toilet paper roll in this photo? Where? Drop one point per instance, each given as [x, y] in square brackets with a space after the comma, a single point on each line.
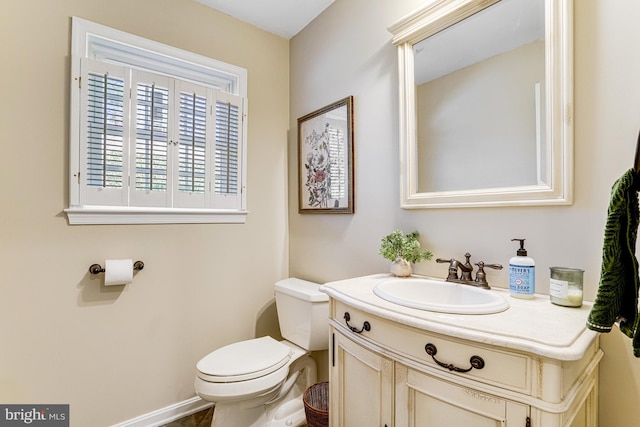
[118, 272]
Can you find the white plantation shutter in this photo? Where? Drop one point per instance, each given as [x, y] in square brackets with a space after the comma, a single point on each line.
[181, 141]
[193, 154]
[192, 143]
[104, 130]
[228, 150]
[151, 103]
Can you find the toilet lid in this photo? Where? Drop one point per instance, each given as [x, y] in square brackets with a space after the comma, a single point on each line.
[244, 360]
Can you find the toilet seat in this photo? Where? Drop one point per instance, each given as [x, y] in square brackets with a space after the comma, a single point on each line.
[245, 360]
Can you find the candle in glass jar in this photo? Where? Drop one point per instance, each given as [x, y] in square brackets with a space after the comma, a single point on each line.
[566, 286]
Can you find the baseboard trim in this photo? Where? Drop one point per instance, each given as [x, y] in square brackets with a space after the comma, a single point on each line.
[167, 414]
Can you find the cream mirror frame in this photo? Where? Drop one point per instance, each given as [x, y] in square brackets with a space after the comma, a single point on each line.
[557, 189]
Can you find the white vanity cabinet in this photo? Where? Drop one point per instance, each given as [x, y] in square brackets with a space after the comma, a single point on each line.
[382, 375]
[361, 385]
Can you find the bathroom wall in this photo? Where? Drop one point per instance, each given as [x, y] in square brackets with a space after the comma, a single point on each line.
[116, 353]
[348, 51]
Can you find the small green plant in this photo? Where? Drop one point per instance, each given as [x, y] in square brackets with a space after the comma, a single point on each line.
[406, 246]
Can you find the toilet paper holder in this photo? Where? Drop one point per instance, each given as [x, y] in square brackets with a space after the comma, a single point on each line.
[97, 268]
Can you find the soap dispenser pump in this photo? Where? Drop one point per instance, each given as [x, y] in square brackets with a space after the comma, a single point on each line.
[522, 273]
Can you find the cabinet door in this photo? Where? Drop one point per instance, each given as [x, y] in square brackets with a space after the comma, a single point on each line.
[361, 386]
[423, 400]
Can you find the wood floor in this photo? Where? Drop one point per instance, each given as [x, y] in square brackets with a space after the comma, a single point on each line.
[199, 419]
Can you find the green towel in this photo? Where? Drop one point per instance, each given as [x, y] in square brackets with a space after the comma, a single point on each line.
[617, 298]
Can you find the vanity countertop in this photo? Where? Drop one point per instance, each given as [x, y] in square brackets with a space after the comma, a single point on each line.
[535, 326]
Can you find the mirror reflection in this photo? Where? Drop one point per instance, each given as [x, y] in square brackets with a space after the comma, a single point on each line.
[480, 104]
[486, 103]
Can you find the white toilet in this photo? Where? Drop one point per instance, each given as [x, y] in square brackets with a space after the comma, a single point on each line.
[259, 382]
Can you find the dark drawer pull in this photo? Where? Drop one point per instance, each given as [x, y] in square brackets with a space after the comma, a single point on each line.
[365, 326]
[476, 361]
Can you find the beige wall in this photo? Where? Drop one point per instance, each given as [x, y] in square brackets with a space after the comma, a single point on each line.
[116, 353]
[338, 55]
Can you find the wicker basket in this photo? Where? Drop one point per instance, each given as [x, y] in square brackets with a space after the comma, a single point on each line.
[316, 404]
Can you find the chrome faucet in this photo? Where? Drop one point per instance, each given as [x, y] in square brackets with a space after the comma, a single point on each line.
[466, 270]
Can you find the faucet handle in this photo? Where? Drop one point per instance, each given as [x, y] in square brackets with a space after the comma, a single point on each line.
[453, 267]
[494, 266]
[481, 276]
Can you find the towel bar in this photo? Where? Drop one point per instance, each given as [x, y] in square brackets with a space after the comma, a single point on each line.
[97, 268]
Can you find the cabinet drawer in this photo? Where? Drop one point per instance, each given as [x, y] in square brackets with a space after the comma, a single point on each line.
[501, 368]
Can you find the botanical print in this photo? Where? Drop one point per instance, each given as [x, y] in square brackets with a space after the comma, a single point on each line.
[325, 169]
[326, 159]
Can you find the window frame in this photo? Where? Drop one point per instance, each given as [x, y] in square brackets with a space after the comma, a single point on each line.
[98, 42]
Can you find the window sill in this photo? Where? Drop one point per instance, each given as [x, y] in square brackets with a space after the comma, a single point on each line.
[127, 215]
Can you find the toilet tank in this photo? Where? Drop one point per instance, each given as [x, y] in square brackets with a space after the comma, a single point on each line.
[303, 313]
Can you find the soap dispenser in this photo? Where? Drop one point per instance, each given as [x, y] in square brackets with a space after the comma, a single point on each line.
[522, 274]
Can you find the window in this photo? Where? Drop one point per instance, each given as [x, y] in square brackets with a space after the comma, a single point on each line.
[157, 133]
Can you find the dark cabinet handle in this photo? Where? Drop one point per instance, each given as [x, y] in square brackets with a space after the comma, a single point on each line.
[476, 361]
[365, 326]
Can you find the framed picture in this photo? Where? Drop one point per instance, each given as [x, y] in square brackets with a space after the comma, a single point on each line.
[325, 159]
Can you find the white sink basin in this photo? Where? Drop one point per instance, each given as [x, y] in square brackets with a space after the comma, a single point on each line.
[440, 296]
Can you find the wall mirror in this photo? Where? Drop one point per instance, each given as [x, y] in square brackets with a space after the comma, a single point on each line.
[486, 98]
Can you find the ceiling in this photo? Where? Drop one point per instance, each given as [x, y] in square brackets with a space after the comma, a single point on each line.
[284, 18]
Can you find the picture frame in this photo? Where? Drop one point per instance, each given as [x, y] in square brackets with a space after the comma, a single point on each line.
[325, 159]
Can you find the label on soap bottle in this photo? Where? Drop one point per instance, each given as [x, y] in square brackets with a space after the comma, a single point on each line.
[522, 279]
